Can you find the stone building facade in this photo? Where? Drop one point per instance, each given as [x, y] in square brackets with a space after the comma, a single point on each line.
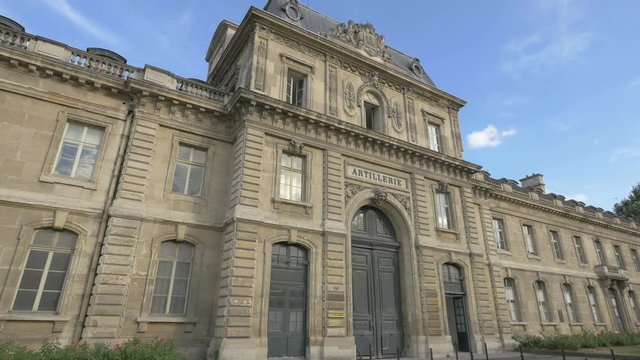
[310, 199]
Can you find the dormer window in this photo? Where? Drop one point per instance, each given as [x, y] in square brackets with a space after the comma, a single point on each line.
[372, 109]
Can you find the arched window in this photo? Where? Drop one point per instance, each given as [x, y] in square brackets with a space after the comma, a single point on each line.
[572, 306]
[543, 301]
[172, 278]
[372, 109]
[45, 271]
[512, 299]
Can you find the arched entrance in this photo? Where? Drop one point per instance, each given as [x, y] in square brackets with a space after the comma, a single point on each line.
[377, 315]
[455, 297]
[287, 331]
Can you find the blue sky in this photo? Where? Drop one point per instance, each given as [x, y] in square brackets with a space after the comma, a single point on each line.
[553, 86]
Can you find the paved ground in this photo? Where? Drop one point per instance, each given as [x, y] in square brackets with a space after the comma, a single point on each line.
[508, 355]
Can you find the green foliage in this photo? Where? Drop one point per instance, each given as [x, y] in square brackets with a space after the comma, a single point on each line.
[130, 350]
[576, 341]
[630, 207]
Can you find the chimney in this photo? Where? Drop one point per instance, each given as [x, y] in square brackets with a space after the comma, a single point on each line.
[534, 182]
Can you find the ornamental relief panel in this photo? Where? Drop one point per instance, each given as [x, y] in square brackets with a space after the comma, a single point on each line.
[362, 37]
[380, 195]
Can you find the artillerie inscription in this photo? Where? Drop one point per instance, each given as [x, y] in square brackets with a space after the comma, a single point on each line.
[375, 176]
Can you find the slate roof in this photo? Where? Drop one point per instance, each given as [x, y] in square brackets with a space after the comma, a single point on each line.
[318, 23]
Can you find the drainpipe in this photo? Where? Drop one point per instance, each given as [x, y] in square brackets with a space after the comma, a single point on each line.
[123, 147]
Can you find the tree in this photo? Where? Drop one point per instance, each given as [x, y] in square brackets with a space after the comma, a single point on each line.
[630, 207]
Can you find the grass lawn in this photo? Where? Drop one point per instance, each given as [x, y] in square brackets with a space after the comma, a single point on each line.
[622, 350]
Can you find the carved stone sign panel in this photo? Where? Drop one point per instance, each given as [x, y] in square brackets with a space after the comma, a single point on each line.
[376, 177]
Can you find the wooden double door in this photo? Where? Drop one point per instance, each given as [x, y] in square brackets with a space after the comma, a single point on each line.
[377, 311]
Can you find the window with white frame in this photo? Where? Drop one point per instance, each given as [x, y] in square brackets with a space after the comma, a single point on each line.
[543, 303]
[78, 153]
[435, 137]
[602, 257]
[443, 210]
[619, 258]
[558, 254]
[188, 176]
[45, 272]
[636, 259]
[580, 253]
[572, 307]
[633, 304]
[512, 299]
[500, 235]
[594, 304]
[296, 88]
[292, 177]
[175, 262]
[529, 240]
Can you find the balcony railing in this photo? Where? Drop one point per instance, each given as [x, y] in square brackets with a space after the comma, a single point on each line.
[100, 64]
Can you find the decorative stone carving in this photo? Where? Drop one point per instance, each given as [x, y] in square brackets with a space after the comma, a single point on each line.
[292, 9]
[417, 68]
[443, 187]
[295, 147]
[371, 80]
[333, 90]
[404, 200]
[260, 65]
[395, 113]
[379, 196]
[362, 37]
[411, 115]
[350, 100]
[350, 190]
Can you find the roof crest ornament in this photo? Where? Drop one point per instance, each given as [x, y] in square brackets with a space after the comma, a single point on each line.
[291, 8]
[362, 37]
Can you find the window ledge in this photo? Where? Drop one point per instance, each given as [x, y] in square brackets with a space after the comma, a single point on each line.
[549, 324]
[576, 324]
[600, 324]
[307, 206]
[34, 317]
[504, 252]
[583, 264]
[561, 261]
[186, 198]
[143, 321]
[521, 323]
[450, 231]
[55, 179]
[534, 257]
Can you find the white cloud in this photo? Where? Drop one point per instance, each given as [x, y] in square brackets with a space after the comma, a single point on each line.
[557, 43]
[488, 137]
[579, 197]
[65, 9]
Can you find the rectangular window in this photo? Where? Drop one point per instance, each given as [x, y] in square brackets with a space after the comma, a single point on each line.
[296, 86]
[529, 241]
[512, 299]
[435, 140]
[172, 278]
[602, 258]
[45, 271]
[580, 254]
[595, 306]
[500, 235]
[189, 171]
[292, 177]
[633, 304]
[78, 152]
[636, 260]
[572, 310]
[619, 258]
[443, 211]
[556, 245]
[541, 297]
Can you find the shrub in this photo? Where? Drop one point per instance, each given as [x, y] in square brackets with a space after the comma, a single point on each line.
[130, 350]
[585, 339]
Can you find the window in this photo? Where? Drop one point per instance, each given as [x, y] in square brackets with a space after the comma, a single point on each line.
[618, 254]
[529, 241]
[500, 235]
[172, 278]
[572, 309]
[189, 171]
[296, 88]
[435, 137]
[292, 177]
[512, 299]
[633, 304]
[443, 211]
[541, 297]
[636, 260]
[372, 109]
[580, 254]
[556, 245]
[45, 271]
[602, 258]
[593, 303]
[78, 152]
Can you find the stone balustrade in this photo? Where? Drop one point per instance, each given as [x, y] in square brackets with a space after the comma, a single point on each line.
[14, 39]
[100, 64]
[200, 89]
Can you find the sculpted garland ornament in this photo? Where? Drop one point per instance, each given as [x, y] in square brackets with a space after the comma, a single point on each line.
[363, 37]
